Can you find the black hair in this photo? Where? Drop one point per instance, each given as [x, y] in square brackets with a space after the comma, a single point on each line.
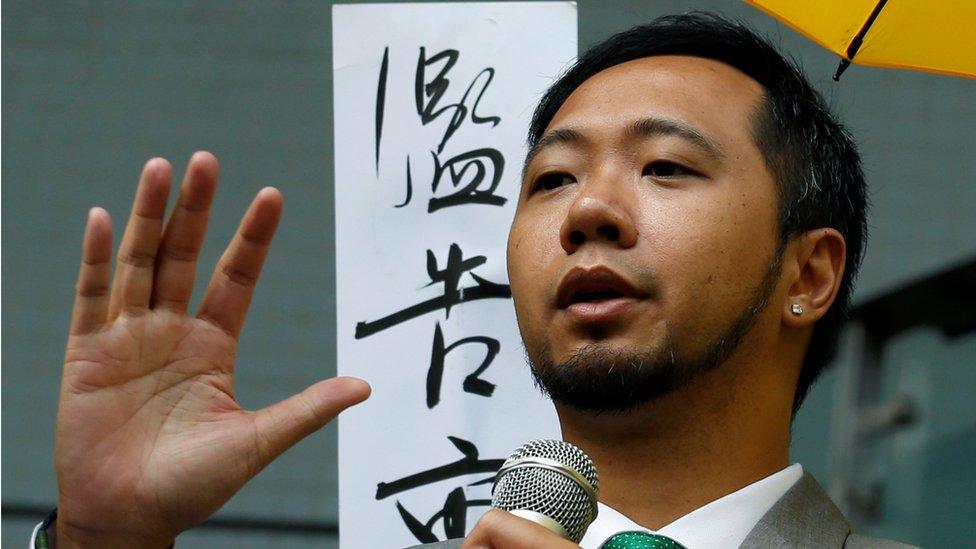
[813, 159]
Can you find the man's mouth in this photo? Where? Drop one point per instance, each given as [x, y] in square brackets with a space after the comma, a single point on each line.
[595, 294]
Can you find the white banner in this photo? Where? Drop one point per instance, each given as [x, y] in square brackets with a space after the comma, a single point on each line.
[432, 105]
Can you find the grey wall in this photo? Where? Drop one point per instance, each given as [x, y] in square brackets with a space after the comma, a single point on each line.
[92, 89]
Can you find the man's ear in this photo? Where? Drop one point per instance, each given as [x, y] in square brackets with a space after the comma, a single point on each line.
[820, 255]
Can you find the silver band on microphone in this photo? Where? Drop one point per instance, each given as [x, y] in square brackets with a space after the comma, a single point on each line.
[542, 520]
[551, 465]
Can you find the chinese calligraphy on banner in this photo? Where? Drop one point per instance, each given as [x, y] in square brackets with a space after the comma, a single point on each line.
[432, 105]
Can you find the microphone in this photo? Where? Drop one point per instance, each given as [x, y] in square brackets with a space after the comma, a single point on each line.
[551, 483]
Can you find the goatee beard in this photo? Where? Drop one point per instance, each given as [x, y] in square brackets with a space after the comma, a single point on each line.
[601, 378]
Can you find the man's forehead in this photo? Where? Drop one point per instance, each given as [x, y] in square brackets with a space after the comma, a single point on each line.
[694, 89]
[673, 80]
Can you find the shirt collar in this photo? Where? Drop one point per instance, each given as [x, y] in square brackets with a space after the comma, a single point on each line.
[722, 523]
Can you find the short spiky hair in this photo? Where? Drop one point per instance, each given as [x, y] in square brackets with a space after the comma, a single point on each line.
[812, 157]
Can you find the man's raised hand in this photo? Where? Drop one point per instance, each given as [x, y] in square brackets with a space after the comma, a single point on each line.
[150, 439]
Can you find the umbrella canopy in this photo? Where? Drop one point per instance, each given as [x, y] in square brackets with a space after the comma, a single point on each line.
[930, 35]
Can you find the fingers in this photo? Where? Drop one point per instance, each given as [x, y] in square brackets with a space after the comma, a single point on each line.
[182, 239]
[91, 292]
[232, 284]
[281, 425]
[157, 269]
[132, 287]
[499, 529]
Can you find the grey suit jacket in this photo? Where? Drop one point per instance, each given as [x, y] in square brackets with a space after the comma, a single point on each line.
[803, 518]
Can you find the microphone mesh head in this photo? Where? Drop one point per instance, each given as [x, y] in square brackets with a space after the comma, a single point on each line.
[556, 495]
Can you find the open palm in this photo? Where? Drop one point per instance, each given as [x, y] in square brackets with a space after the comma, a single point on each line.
[150, 438]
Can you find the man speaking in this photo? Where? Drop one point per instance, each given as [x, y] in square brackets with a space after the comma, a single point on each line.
[687, 233]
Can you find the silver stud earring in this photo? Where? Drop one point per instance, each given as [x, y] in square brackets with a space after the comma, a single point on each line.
[796, 309]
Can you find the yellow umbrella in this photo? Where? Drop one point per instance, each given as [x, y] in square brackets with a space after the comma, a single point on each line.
[927, 35]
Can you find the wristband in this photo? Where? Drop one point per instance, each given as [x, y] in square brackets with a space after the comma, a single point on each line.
[39, 538]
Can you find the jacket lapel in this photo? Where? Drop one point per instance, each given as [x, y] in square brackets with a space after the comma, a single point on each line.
[803, 517]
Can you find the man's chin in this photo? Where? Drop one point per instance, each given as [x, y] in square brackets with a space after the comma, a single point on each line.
[603, 377]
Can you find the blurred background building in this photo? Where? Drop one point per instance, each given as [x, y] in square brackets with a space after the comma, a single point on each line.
[93, 89]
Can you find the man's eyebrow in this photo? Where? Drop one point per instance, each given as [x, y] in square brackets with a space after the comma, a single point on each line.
[555, 137]
[656, 127]
[645, 127]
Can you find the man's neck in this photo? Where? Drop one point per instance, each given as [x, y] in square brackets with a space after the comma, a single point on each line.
[686, 449]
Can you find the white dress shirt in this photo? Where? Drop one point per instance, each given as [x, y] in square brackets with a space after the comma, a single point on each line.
[721, 524]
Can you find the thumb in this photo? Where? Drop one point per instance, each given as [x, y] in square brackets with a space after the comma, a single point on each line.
[281, 425]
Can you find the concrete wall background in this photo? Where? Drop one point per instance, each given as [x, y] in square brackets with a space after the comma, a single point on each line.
[93, 89]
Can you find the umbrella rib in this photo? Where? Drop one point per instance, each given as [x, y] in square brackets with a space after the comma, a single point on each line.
[859, 39]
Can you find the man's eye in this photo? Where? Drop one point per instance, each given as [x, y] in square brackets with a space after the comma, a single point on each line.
[552, 181]
[663, 168]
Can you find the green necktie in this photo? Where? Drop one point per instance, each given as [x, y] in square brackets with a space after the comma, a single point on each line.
[640, 540]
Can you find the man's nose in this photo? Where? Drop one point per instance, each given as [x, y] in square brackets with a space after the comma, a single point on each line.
[602, 212]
